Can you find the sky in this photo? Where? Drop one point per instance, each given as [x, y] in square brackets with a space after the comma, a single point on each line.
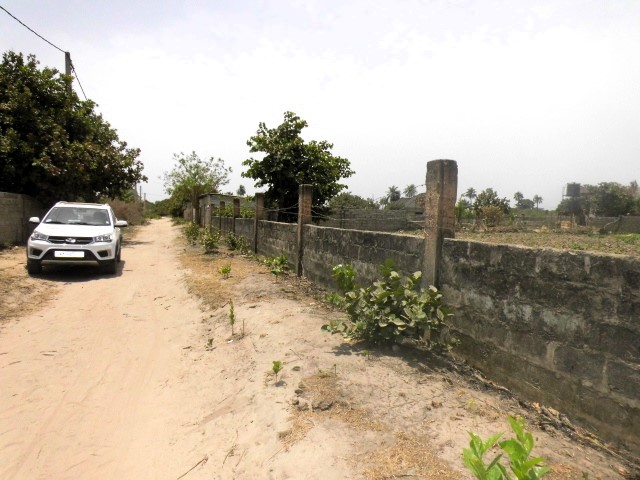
[525, 95]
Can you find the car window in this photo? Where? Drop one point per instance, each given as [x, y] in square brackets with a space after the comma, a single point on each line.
[78, 216]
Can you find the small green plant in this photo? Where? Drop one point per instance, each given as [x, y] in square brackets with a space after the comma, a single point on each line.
[518, 451]
[391, 309]
[276, 368]
[209, 344]
[192, 232]
[209, 240]
[225, 271]
[232, 316]
[277, 265]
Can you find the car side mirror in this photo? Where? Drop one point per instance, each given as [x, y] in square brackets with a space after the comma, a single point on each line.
[34, 220]
[122, 223]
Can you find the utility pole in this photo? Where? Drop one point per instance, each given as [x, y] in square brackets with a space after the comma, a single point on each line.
[67, 63]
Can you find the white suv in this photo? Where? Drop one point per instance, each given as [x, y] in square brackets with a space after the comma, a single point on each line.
[75, 233]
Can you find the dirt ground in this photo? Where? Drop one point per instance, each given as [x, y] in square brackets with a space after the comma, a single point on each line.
[138, 375]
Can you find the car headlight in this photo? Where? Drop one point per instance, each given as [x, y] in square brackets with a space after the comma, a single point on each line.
[36, 235]
[103, 238]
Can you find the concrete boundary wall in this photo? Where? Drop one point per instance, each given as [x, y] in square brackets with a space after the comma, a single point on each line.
[15, 210]
[560, 328]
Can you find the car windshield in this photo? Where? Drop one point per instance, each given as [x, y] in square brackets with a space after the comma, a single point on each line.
[78, 216]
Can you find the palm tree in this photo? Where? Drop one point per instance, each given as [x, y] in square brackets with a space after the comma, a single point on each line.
[410, 191]
[393, 194]
[470, 194]
[537, 199]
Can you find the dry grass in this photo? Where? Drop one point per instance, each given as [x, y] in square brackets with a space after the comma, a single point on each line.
[409, 456]
[19, 293]
[628, 244]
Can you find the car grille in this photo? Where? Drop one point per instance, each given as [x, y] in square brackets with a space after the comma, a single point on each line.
[71, 240]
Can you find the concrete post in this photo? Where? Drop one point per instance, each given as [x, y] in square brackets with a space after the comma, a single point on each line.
[220, 214]
[305, 198]
[259, 215]
[236, 214]
[440, 219]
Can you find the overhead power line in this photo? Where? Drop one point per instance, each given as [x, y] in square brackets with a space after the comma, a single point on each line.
[50, 43]
[30, 29]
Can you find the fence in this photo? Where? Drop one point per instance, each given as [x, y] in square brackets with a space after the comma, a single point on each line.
[561, 328]
[15, 210]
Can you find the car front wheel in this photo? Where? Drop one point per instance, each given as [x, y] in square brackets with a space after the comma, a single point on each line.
[111, 267]
[34, 266]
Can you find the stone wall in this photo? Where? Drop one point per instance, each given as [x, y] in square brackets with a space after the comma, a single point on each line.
[370, 219]
[277, 238]
[15, 211]
[326, 247]
[561, 328]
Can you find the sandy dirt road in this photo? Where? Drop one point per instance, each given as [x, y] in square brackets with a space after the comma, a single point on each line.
[90, 384]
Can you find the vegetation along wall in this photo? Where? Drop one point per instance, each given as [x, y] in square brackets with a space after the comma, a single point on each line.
[15, 211]
[561, 328]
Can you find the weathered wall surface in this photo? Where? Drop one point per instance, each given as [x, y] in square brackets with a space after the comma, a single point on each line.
[277, 238]
[561, 328]
[326, 247]
[15, 211]
[369, 219]
[244, 227]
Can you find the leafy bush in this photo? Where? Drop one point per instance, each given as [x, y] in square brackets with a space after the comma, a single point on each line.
[390, 310]
[192, 232]
[517, 449]
[209, 240]
[237, 242]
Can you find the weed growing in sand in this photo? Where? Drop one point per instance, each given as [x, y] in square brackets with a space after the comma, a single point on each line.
[277, 265]
[391, 309]
[276, 368]
[232, 316]
[518, 450]
[225, 271]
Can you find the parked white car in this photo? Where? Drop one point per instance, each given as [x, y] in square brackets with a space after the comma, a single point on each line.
[75, 233]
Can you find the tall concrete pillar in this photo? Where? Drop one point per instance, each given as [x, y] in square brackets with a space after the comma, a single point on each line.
[259, 215]
[305, 199]
[236, 214]
[440, 219]
[220, 215]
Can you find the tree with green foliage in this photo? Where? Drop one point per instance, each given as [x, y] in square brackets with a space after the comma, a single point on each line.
[290, 162]
[347, 200]
[537, 199]
[470, 193]
[410, 191]
[607, 199]
[53, 146]
[393, 194]
[611, 199]
[241, 192]
[489, 198]
[192, 177]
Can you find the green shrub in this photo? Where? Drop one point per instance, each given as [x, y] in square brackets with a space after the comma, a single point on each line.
[237, 242]
[209, 240]
[192, 232]
[390, 310]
